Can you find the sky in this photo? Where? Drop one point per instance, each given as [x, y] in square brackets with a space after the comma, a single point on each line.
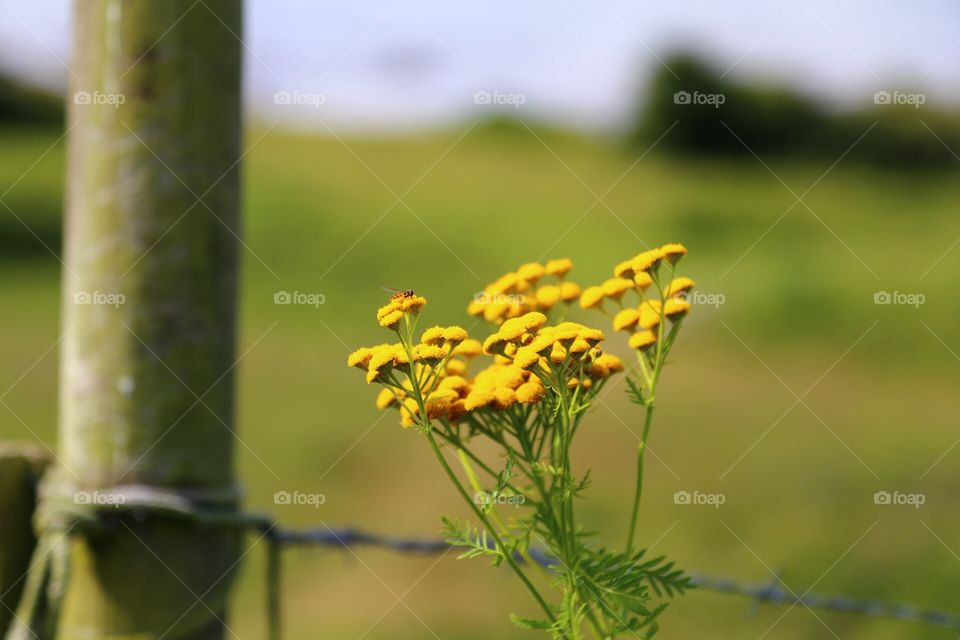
[418, 63]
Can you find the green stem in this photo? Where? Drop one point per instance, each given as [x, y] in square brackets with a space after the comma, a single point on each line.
[493, 532]
[641, 450]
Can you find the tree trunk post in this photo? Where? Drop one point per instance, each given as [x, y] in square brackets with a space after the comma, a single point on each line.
[146, 386]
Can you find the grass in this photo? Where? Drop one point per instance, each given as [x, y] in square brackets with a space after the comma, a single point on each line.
[799, 476]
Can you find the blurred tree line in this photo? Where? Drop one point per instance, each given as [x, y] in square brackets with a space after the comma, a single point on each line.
[23, 105]
[778, 121]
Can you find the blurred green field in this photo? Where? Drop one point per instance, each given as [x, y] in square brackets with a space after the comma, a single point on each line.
[799, 476]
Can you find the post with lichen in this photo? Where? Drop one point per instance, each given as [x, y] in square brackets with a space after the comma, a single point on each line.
[138, 521]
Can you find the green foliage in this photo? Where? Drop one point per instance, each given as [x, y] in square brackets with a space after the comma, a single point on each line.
[778, 121]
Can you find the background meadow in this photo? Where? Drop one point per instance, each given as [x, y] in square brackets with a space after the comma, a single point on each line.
[797, 398]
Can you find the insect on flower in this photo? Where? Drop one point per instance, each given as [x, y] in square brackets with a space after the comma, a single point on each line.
[399, 294]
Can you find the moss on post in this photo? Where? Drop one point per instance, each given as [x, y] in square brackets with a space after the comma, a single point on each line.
[149, 313]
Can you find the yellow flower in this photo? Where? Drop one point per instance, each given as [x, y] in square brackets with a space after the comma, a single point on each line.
[649, 314]
[391, 319]
[438, 402]
[512, 329]
[675, 307]
[679, 285]
[579, 347]
[476, 307]
[642, 280]
[361, 357]
[457, 410]
[526, 357]
[673, 252]
[386, 398]
[456, 383]
[504, 283]
[504, 397]
[559, 268]
[413, 304]
[558, 353]
[433, 335]
[569, 291]
[530, 392]
[533, 320]
[510, 377]
[548, 295]
[624, 269]
[455, 367]
[384, 358]
[408, 411]
[642, 339]
[647, 260]
[604, 365]
[469, 348]
[615, 287]
[494, 344]
[478, 397]
[531, 271]
[591, 297]
[494, 311]
[565, 332]
[429, 353]
[626, 319]
[454, 334]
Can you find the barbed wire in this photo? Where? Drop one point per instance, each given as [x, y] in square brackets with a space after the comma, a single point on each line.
[761, 593]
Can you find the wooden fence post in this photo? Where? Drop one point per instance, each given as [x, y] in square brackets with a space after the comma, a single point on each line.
[149, 296]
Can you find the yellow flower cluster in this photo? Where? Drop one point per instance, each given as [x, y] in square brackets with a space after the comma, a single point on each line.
[641, 274]
[522, 291]
[568, 348]
[529, 358]
[390, 314]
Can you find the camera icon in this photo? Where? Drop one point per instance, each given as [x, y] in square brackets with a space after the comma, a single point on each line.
[882, 297]
[882, 497]
[82, 97]
[282, 497]
[681, 497]
[282, 97]
[82, 497]
[282, 297]
[882, 97]
[482, 97]
[682, 97]
[81, 297]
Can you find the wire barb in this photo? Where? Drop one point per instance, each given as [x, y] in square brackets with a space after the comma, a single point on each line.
[762, 593]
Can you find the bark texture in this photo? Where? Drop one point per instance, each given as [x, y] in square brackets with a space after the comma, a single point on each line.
[146, 385]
